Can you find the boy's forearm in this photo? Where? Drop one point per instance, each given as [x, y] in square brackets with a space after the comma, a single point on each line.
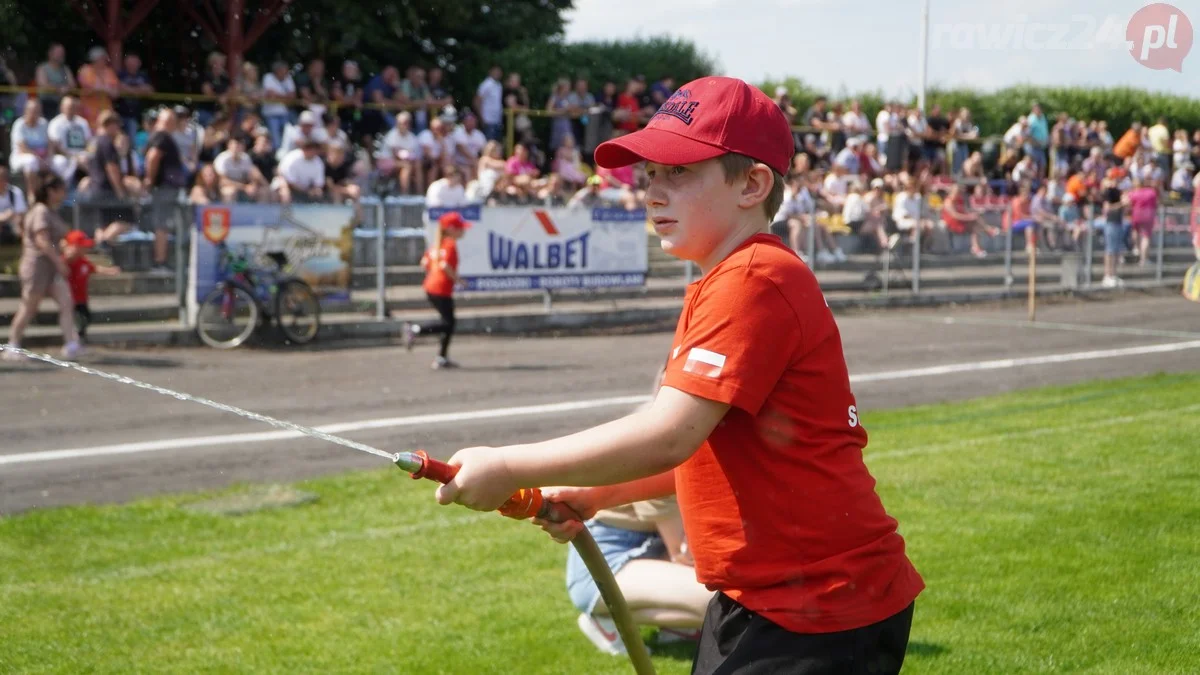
[629, 449]
[657, 486]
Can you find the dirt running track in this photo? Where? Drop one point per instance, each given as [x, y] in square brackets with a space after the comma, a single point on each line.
[892, 357]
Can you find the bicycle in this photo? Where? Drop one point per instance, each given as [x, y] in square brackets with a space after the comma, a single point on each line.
[250, 297]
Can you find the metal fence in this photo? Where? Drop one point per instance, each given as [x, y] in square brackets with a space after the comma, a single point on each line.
[388, 240]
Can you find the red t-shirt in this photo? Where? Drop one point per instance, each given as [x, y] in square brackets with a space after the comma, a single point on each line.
[81, 270]
[778, 505]
[959, 205]
[437, 282]
[628, 102]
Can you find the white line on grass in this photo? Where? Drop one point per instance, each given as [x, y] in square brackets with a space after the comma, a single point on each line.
[1004, 364]
[554, 408]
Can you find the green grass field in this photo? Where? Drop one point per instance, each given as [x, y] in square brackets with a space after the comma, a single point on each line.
[1057, 530]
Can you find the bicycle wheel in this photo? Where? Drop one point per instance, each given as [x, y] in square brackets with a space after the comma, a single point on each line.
[227, 317]
[298, 311]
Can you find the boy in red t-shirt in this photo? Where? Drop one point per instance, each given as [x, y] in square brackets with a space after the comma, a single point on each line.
[75, 245]
[755, 427]
[441, 278]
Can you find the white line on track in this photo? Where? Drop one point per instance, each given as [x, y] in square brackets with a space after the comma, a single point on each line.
[558, 408]
[1051, 325]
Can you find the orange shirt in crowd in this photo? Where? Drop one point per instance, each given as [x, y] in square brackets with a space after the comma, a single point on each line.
[1128, 144]
[779, 494]
[91, 104]
[437, 282]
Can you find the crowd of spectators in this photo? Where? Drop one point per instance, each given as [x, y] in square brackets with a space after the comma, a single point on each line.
[293, 134]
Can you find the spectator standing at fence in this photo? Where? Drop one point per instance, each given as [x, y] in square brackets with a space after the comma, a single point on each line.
[1143, 215]
[239, 179]
[489, 104]
[106, 185]
[249, 91]
[30, 143]
[314, 87]
[963, 130]
[348, 92]
[441, 278]
[189, 137]
[1181, 181]
[166, 175]
[559, 103]
[415, 92]
[99, 83]
[1114, 202]
[12, 209]
[135, 83]
[214, 82]
[939, 135]
[1130, 142]
[1159, 136]
[54, 74]
[580, 102]
[43, 271]
[278, 89]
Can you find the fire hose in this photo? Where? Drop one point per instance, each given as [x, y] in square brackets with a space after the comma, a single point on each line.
[528, 503]
[525, 504]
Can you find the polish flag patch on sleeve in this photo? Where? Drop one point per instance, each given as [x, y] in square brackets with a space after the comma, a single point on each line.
[704, 363]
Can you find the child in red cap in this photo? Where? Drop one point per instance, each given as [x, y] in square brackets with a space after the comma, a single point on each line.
[75, 245]
[441, 278]
[755, 427]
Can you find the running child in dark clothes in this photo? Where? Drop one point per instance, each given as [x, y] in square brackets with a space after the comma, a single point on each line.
[441, 278]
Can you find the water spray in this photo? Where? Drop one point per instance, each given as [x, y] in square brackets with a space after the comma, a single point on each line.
[524, 504]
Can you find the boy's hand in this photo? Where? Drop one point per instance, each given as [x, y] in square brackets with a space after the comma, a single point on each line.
[585, 502]
[483, 481]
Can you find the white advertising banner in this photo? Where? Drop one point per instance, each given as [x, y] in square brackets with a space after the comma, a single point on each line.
[510, 248]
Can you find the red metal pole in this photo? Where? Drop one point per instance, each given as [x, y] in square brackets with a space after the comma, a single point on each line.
[112, 33]
[235, 24]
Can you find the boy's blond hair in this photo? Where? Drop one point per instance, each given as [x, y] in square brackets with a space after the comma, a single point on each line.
[736, 166]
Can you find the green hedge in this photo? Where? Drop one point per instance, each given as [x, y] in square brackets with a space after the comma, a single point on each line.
[996, 111]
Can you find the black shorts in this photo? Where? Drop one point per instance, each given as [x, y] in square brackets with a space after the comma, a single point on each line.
[737, 640]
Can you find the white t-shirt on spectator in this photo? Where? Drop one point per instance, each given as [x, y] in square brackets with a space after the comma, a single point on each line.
[855, 208]
[442, 194]
[401, 146]
[906, 209]
[491, 101]
[473, 141]
[301, 172]
[795, 204]
[35, 138]
[292, 137]
[435, 148]
[13, 198]
[72, 135]
[838, 186]
[285, 88]
[855, 124]
[236, 169]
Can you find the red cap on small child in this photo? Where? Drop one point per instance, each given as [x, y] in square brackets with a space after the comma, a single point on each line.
[78, 238]
[703, 119]
[453, 219]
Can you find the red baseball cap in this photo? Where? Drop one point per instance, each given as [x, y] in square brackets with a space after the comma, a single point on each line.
[453, 219]
[78, 238]
[706, 118]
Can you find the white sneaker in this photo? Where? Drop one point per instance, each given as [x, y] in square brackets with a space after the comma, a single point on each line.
[839, 255]
[13, 356]
[72, 350]
[603, 633]
[825, 258]
[1109, 282]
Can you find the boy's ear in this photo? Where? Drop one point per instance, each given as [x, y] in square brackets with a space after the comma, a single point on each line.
[759, 180]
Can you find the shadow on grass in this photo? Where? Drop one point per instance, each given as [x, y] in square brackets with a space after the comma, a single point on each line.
[925, 650]
[675, 651]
